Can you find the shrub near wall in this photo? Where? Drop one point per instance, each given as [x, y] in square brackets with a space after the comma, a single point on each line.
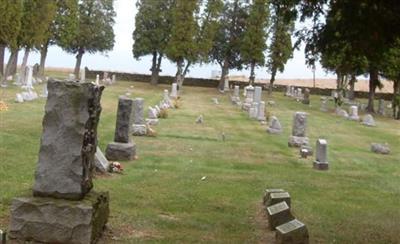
[200, 82]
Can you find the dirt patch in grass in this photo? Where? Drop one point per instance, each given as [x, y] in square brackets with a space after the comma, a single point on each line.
[265, 235]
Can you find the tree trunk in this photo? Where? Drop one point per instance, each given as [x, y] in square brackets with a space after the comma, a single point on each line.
[2, 53]
[43, 55]
[25, 59]
[252, 74]
[154, 71]
[11, 59]
[272, 80]
[373, 80]
[396, 100]
[352, 82]
[14, 64]
[224, 72]
[178, 77]
[186, 70]
[78, 61]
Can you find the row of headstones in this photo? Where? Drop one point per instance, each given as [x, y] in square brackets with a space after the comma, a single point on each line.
[130, 121]
[297, 93]
[252, 102]
[277, 203]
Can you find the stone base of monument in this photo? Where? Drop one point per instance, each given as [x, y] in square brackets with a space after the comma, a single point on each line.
[320, 165]
[278, 214]
[121, 151]
[139, 130]
[354, 118]
[271, 130]
[246, 106]
[49, 220]
[268, 193]
[294, 232]
[298, 141]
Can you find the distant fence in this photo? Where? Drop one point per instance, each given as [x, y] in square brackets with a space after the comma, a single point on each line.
[213, 83]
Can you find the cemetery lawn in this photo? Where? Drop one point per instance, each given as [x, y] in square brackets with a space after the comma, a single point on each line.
[161, 197]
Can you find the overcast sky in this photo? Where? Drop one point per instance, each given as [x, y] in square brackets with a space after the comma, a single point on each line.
[120, 58]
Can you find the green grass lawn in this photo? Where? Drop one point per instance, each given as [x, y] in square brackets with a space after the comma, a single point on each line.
[161, 197]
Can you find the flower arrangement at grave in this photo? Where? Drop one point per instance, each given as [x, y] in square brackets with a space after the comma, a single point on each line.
[3, 106]
[163, 113]
[116, 167]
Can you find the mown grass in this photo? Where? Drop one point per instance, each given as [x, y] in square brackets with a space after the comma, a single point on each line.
[161, 197]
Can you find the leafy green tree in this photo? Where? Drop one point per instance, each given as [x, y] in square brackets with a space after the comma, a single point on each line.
[192, 33]
[181, 45]
[34, 12]
[280, 49]
[39, 13]
[226, 48]
[62, 30]
[391, 70]
[254, 37]
[152, 32]
[95, 29]
[368, 27]
[10, 12]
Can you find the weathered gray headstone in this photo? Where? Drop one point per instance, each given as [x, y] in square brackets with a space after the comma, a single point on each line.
[277, 197]
[122, 148]
[235, 99]
[248, 101]
[69, 140]
[324, 107]
[298, 137]
[287, 93]
[253, 111]
[306, 96]
[341, 112]
[292, 232]
[321, 151]
[261, 111]
[100, 162]
[274, 126]
[124, 120]
[380, 148]
[139, 124]
[278, 214]
[64, 171]
[368, 120]
[381, 107]
[268, 193]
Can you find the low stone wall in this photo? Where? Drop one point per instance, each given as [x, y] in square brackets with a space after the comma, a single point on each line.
[200, 82]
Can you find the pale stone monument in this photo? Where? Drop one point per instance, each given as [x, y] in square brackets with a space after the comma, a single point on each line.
[248, 101]
[174, 91]
[298, 137]
[122, 148]
[324, 107]
[321, 151]
[353, 113]
[257, 94]
[97, 82]
[235, 99]
[64, 172]
[368, 120]
[100, 161]
[274, 126]
[261, 111]
[287, 93]
[139, 124]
